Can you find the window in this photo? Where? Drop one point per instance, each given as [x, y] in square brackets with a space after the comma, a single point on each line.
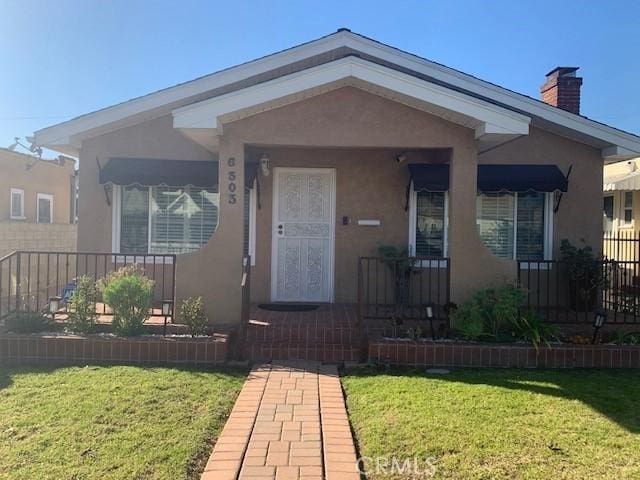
[44, 208]
[168, 220]
[515, 226]
[17, 204]
[628, 208]
[428, 224]
[607, 216]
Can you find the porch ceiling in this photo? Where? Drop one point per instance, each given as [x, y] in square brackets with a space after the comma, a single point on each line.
[204, 121]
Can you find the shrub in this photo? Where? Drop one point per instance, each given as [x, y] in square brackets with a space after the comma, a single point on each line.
[488, 311]
[82, 311]
[129, 293]
[585, 275]
[28, 322]
[531, 327]
[193, 315]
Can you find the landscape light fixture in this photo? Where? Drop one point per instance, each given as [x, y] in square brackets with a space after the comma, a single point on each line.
[54, 306]
[167, 311]
[429, 311]
[599, 319]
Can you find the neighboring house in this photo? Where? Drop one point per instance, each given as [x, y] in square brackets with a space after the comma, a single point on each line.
[37, 203]
[621, 211]
[340, 145]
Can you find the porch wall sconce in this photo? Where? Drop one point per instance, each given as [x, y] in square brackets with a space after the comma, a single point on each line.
[265, 162]
[599, 319]
[167, 311]
[54, 306]
[429, 311]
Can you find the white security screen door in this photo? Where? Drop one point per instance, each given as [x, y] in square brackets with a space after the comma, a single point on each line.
[303, 235]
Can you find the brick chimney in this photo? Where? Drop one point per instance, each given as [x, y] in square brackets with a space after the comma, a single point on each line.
[562, 89]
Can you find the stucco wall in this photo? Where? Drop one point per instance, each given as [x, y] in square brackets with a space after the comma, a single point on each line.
[42, 177]
[347, 129]
[34, 236]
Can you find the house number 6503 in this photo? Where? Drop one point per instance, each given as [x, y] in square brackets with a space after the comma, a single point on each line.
[231, 177]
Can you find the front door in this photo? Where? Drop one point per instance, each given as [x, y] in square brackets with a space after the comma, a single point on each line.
[303, 235]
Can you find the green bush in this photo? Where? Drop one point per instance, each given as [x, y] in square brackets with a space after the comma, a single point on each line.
[28, 322]
[82, 306]
[488, 311]
[129, 293]
[531, 327]
[193, 315]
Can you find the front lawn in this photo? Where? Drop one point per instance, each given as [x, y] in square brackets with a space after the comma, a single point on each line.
[498, 424]
[111, 422]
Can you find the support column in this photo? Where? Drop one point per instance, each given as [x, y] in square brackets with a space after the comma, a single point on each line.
[215, 271]
[473, 266]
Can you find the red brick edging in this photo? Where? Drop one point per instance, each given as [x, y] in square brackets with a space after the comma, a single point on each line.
[430, 354]
[83, 349]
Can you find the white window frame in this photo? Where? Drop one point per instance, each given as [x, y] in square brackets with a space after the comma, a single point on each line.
[116, 218]
[44, 196]
[413, 225]
[614, 225]
[20, 192]
[547, 253]
[624, 208]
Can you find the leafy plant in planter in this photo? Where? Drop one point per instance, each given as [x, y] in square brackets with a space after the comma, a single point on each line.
[531, 327]
[401, 266]
[193, 315]
[28, 322]
[129, 293]
[584, 271]
[488, 311]
[82, 306]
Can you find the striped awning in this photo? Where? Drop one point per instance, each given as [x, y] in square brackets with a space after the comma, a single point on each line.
[626, 181]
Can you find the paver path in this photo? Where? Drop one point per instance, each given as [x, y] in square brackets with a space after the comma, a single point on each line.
[289, 422]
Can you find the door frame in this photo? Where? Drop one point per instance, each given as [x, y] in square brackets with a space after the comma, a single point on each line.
[277, 171]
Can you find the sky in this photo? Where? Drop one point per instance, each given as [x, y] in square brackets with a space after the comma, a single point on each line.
[63, 58]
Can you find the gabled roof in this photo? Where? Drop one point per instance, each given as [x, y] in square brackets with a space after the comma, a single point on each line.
[67, 137]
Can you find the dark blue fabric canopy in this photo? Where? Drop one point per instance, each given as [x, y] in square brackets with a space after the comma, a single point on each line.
[521, 178]
[431, 177]
[149, 172]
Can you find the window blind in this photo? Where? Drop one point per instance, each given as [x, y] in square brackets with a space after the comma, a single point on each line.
[495, 219]
[16, 204]
[530, 228]
[429, 241]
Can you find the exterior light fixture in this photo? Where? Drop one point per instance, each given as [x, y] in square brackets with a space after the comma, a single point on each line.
[401, 157]
[599, 319]
[429, 311]
[54, 306]
[264, 164]
[167, 311]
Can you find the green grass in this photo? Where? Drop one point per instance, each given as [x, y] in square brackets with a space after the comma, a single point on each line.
[499, 424]
[110, 422]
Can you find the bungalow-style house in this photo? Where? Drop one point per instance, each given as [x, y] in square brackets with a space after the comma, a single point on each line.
[313, 157]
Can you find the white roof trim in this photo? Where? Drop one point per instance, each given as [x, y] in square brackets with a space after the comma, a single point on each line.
[61, 133]
[483, 116]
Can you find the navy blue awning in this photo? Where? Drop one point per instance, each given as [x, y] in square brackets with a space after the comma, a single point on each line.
[149, 172]
[431, 177]
[521, 178]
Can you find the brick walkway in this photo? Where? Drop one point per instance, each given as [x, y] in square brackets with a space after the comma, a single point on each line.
[289, 423]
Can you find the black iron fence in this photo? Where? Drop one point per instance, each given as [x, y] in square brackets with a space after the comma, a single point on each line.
[623, 246]
[29, 279]
[570, 292]
[402, 287]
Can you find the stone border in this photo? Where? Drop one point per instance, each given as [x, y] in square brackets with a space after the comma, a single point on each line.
[430, 354]
[90, 349]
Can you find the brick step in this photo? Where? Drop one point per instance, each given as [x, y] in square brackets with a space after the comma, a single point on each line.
[329, 352]
[288, 334]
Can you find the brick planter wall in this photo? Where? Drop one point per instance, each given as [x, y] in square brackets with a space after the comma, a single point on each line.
[429, 354]
[90, 349]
